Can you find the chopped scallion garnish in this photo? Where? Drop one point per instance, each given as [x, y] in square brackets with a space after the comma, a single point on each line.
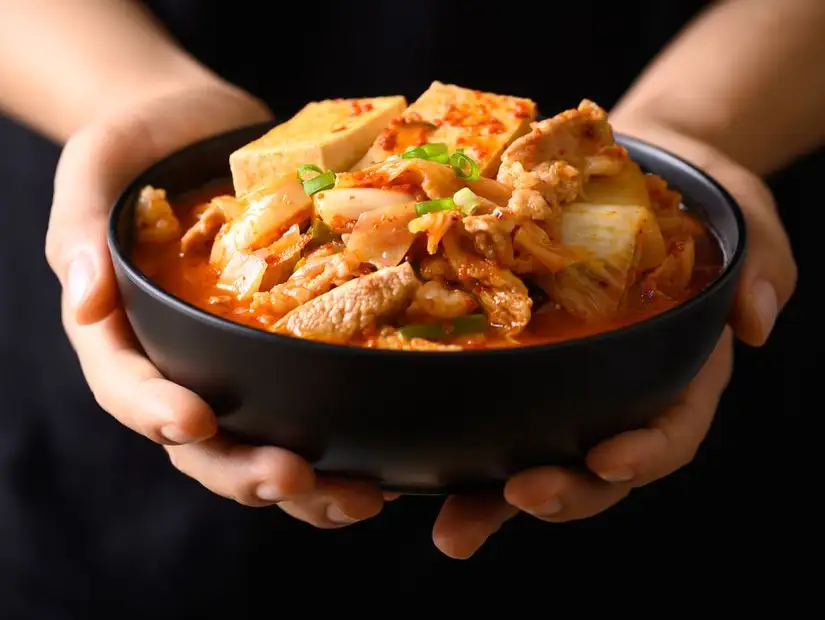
[317, 183]
[466, 201]
[436, 152]
[431, 206]
[465, 168]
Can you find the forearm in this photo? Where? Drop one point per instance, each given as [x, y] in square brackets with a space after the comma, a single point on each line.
[65, 63]
[747, 77]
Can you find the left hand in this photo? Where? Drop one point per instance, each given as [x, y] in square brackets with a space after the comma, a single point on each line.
[639, 457]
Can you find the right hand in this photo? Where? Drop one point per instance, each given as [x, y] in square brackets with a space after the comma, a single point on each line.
[96, 163]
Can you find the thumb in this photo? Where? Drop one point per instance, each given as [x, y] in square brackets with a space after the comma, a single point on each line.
[769, 274]
[76, 247]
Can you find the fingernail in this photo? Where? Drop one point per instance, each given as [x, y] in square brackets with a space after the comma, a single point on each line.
[269, 493]
[176, 435]
[79, 278]
[553, 507]
[616, 476]
[765, 304]
[336, 515]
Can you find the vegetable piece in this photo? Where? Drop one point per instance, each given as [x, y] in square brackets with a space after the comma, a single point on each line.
[341, 208]
[468, 324]
[317, 182]
[320, 234]
[611, 239]
[432, 152]
[431, 206]
[243, 275]
[467, 201]
[268, 213]
[381, 236]
[427, 331]
[465, 167]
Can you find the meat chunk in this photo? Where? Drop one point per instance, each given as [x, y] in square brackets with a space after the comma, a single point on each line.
[436, 299]
[557, 158]
[206, 228]
[319, 273]
[346, 311]
[155, 222]
[502, 295]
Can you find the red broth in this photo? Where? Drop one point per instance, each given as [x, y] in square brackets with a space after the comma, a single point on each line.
[192, 279]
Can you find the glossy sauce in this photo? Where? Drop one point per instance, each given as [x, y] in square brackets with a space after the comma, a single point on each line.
[192, 279]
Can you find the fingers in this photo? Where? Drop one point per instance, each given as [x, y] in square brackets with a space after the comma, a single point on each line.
[265, 475]
[769, 274]
[129, 387]
[466, 522]
[639, 457]
[335, 504]
[76, 240]
[253, 476]
[557, 494]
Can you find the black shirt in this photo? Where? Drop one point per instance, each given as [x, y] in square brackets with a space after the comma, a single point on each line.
[93, 518]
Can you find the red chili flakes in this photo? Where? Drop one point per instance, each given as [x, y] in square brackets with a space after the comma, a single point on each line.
[359, 108]
[388, 138]
[521, 109]
[480, 151]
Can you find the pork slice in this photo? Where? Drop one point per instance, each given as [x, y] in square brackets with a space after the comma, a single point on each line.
[345, 311]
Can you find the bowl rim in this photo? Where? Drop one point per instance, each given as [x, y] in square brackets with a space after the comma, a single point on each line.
[730, 270]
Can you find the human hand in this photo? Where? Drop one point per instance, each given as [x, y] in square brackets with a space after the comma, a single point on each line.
[95, 165]
[639, 457]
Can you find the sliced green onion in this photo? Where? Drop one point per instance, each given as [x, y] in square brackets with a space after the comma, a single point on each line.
[308, 168]
[314, 184]
[428, 331]
[469, 324]
[466, 200]
[465, 168]
[431, 206]
[436, 152]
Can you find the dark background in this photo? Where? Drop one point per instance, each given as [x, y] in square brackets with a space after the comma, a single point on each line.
[93, 517]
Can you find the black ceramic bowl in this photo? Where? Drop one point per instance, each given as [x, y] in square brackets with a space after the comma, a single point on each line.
[427, 422]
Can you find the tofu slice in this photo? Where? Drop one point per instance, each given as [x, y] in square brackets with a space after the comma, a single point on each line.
[334, 134]
[481, 123]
